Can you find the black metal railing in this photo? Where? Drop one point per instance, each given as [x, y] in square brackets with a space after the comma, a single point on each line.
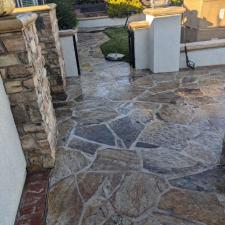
[131, 47]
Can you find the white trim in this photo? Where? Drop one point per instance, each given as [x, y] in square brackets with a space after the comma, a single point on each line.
[24, 3]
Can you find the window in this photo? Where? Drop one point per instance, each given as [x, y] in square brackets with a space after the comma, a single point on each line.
[24, 3]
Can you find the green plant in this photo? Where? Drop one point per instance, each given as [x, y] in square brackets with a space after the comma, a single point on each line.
[118, 42]
[177, 2]
[89, 1]
[121, 8]
[66, 17]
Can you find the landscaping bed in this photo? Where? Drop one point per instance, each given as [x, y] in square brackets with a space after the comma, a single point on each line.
[88, 8]
[111, 8]
[118, 42]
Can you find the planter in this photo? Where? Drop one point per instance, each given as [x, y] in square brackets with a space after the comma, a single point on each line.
[91, 9]
[68, 39]
[6, 7]
[95, 7]
[155, 3]
[106, 21]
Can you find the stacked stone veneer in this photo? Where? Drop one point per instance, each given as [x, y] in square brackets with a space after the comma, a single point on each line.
[26, 83]
[48, 33]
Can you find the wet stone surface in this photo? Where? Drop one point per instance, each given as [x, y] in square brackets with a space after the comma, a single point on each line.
[127, 129]
[210, 181]
[138, 192]
[97, 133]
[82, 145]
[169, 162]
[116, 160]
[137, 148]
[200, 206]
[94, 116]
[68, 162]
[64, 203]
[175, 114]
[163, 97]
[173, 136]
[161, 219]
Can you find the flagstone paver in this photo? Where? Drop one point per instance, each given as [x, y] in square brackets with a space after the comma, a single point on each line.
[83, 145]
[169, 162]
[116, 160]
[201, 206]
[127, 129]
[137, 148]
[160, 219]
[94, 116]
[98, 133]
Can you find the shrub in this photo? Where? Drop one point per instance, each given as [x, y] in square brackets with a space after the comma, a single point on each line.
[66, 17]
[177, 2]
[121, 8]
[89, 1]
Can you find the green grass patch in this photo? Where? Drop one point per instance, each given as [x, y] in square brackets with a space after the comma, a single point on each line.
[118, 42]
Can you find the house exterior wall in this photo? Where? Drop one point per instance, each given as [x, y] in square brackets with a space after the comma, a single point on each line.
[12, 163]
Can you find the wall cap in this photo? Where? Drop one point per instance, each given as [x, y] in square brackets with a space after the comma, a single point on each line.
[166, 11]
[37, 8]
[67, 33]
[194, 46]
[16, 22]
[139, 25]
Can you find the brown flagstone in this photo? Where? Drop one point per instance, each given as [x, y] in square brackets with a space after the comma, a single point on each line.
[64, 203]
[138, 193]
[102, 184]
[198, 206]
[116, 160]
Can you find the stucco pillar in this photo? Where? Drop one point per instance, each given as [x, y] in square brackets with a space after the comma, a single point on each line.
[27, 86]
[164, 38]
[157, 40]
[48, 34]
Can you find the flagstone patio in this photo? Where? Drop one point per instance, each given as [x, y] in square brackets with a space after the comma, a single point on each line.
[137, 148]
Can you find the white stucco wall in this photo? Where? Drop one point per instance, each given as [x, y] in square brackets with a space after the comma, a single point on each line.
[12, 163]
[158, 47]
[141, 44]
[205, 53]
[164, 41]
[69, 55]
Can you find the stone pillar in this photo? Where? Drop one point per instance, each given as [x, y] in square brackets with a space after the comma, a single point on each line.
[26, 84]
[48, 33]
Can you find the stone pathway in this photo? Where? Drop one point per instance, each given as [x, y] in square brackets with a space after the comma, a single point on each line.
[137, 148]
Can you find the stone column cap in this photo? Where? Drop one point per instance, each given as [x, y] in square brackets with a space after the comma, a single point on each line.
[67, 33]
[165, 11]
[16, 22]
[139, 25]
[36, 8]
